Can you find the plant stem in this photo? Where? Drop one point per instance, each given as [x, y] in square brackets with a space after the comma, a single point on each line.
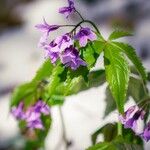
[63, 128]
[87, 21]
[67, 25]
[119, 128]
[79, 15]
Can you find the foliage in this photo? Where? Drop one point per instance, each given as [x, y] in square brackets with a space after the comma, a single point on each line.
[55, 80]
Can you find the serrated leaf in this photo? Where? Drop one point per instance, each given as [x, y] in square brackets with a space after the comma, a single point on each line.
[88, 56]
[55, 79]
[110, 102]
[117, 74]
[21, 92]
[115, 146]
[102, 146]
[109, 132]
[131, 54]
[77, 84]
[56, 100]
[29, 91]
[118, 34]
[98, 46]
[137, 89]
[80, 72]
[92, 51]
[95, 78]
[44, 71]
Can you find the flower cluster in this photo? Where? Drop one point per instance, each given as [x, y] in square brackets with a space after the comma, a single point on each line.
[63, 47]
[133, 119]
[69, 9]
[32, 115]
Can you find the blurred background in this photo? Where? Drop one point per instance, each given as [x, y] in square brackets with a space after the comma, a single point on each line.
[20, 58]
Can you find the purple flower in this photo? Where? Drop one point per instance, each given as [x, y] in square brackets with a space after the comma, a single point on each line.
[32, 116]
[84, 35]
[68, 10]
[146, 132]
[57, 46]
[127, 115]
[52, 51]
[131, 118]
[42, 107]
[70, 58]
[43, 41]
[63, 42]
[17, 112]
[46, 28]
[35, 124]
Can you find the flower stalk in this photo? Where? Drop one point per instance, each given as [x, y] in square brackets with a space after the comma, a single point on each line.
[64, 136]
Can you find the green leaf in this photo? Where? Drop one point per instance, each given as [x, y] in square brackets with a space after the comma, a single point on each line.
[56, 100]
[118, 34]
[116, 145]
[92, 51]
[39, 141]
[136, 89]
[29, 91]
[80, 72]
[102, 146]
[78, 84]
[98, 46]
[55, 79]
[131, 54]
[148, 78]
[117, 74]
[21, 92]
[88, 56]
[110, 102]
[109, 132]
[44, 71]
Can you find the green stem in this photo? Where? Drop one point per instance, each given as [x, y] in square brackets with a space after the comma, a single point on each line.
[79, 15]
[63, 128]
[70, 25]
[87, 21]
[119, 128]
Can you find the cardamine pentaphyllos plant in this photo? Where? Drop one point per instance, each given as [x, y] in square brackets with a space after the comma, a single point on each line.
[67, 71]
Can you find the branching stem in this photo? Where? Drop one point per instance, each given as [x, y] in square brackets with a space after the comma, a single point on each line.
[87, 21]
